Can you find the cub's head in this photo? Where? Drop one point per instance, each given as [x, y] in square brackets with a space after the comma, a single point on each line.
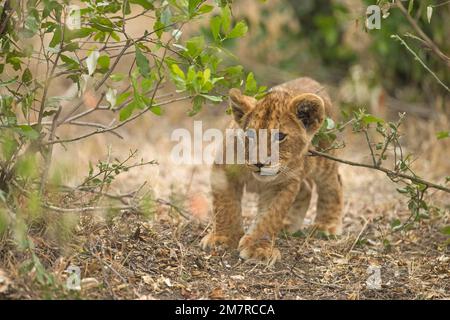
[290, 122]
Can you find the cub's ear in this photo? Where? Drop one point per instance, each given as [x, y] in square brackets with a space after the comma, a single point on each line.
[309, 108]
[240, 104]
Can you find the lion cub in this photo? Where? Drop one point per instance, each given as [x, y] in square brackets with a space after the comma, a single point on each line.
[297, 109]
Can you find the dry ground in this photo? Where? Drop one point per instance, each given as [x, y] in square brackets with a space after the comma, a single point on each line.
[135, 257]
[131, 258]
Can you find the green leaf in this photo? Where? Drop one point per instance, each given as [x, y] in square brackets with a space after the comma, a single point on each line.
[102, 24]
[122, 97]
[158, 28]
[116, 77]
[206, 75]
[14, 61]
[56, 39]
[126, 112]
[142, 63]
[226, 19]
[115, 36]
[239, 30]
[156, 110]
[27, 76]
[443, 135]
[251, 87]
[215, 24]
[8, 82]
[177, 71]
[195, 46]
[205, 9]
[146, 84]
[71, 63]
[71, 47]
[126, 9]
[446, 230]
[146, 4]
[103, 62]
[77, 33]
[371, 119]
[387, 243]
[396, 223]
[192, 7]
[212, 98]
[410, 6]
[197, 103]
[28, 132]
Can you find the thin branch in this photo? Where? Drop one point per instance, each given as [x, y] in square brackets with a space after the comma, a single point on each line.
[50, 77]
[86, 209]
[366, 134]
[110, 70]
[92, 124]
[137, 115]
[68, 117]
[185, 214]
[396, 36]
[49, 152]
[422, 34]
[389, 172]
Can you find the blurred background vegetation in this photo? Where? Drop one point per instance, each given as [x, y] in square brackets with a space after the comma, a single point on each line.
[328, 40]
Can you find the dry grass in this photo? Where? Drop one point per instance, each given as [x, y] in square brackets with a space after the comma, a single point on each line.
[133, 257]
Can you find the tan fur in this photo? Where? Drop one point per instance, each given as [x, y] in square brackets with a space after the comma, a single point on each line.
[297, 108]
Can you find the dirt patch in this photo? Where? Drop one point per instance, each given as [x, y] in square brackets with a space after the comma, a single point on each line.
[136, 258]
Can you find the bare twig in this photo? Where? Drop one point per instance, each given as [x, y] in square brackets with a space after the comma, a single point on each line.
[366, 223]
[369, 143]
[185, 214]
[86, 209]
[49, 152]
[137, 115]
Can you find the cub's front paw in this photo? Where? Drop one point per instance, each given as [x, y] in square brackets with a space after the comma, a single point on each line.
[214, 240]
[329, 229]
[258, 251]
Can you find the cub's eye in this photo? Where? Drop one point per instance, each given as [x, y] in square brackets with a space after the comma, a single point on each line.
[280, 136]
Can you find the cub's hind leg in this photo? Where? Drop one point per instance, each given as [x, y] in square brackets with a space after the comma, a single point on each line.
[227, 190]
[297, 212]
[330, 200]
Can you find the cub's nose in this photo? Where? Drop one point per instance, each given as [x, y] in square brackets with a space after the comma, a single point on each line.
[259, 165]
